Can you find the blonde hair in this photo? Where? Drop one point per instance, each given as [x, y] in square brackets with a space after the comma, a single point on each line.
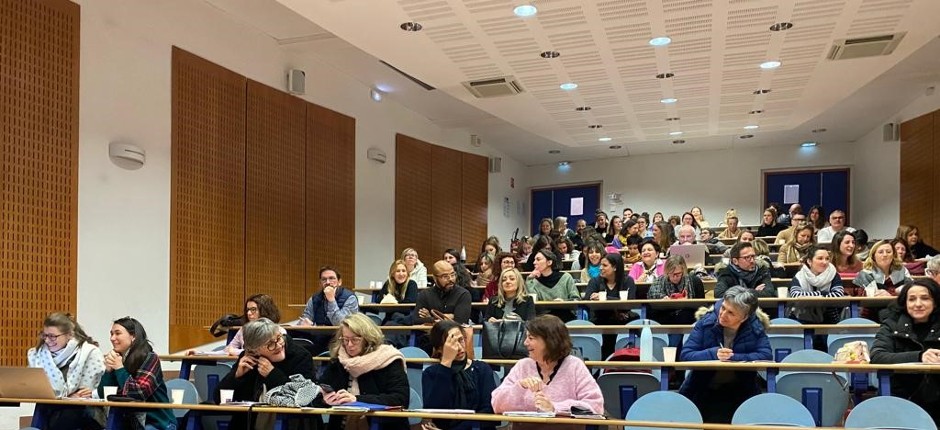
[896, 263]
[362, 326]
[392, 285]
[521, 292]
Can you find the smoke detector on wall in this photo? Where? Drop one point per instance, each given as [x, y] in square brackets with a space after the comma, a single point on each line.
[860, 47]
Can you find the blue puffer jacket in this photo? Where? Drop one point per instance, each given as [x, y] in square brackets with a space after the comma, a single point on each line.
[750, 344]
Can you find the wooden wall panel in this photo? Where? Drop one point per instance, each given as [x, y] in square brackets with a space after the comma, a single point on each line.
[919, 177]
[274, 199]
[331, 195]
[207, 233]
[446, 207]
[474, 203]
[413, 198]
[39, 99]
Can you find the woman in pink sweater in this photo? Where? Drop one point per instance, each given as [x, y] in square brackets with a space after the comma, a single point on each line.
[550, 380]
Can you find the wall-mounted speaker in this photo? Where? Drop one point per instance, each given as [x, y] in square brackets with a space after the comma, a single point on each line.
[892, 132]
[496, 164]
[296, 81]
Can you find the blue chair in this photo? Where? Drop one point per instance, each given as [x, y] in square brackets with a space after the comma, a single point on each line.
[773, 409]
[588, 346]
[659, 340]
[190, 395]
[784, 344]
[889, 412]
[414, 370]
[622, 389]
[824, 394]
[836, 341]
[206, 378]
[416, 402]
[664, 406]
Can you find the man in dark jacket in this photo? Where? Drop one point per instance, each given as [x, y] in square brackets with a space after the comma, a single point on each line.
[745, 271]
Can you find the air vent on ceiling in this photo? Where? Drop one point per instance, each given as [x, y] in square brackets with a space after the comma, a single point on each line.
[495, 87]
[860, 47]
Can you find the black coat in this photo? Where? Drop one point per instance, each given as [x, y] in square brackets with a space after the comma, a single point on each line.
[727, 279]
[897, 342]
[526, 310]
[385, 386]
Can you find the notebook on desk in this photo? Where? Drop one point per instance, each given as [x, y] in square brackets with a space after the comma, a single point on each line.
[693, 254]
[25, 383]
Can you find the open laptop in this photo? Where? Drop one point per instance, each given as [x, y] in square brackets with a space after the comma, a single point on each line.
[25, 383]
[693, 254]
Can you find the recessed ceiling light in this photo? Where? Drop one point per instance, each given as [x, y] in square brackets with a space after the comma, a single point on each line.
[669, 100]
[746, 136]
[666, 75]
[675, 133]
[582, 108]
[808, 144]
[781, 26]
[550, 54]
[761, 91]
[678, 142]
[660, 41]
[615, 147]
[819, 130]
[604, 139]
[562, 163]
[595, 126]
[751, 127]
[674, 118]
[756, 112]
[772, 64]
[568, 86]
[375, 94]
[524, 11]
[554, 151]
[411, 26]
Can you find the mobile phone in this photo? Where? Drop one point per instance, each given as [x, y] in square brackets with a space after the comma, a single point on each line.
[326, 388]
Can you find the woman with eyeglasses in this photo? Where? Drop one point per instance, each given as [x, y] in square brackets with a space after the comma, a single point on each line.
[363, 368]
[417, 271]
[135, 370]
[257, 306]
[74, 365]
[268, 361]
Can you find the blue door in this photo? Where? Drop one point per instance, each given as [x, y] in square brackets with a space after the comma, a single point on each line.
[554, 202]
[829, 188]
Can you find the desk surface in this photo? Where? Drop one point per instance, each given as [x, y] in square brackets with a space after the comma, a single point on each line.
[609, 329]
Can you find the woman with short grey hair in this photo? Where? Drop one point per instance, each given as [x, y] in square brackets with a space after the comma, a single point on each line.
[734, 329]
[933, 268]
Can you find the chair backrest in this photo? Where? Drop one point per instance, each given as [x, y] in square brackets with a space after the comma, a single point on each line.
[622, 389]
[416, 402]
[784, 321]
[904, 414]
[665, 406]
[773, 409]
[375, 318]
[414, 352]
[659, 340]
[206, 378]
[587, 346]
[190, 395]
[785, 344]
[578, 322]
[823, 394]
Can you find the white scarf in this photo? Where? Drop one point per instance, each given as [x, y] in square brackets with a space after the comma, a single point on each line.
[84, 370]
[807, 278]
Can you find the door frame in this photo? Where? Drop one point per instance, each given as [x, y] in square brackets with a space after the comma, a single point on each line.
[820, 170]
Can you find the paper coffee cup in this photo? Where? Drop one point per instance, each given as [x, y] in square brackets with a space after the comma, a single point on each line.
[624, 295]
[109, 390]
[534, 296]
[669, 354]
[783, 292]
[870, 291]
[177, 396]
[602, 295]
[225, 396]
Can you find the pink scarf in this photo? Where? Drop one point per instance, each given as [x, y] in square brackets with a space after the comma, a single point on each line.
[378, 359]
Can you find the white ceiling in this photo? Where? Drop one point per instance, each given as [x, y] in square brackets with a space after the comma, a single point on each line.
[716, 49]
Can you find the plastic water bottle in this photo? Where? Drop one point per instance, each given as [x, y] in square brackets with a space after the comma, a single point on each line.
[463, 254]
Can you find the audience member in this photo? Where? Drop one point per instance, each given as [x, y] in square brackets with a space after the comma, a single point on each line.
[627, 213]
[645, 227]
[663, 236]
[578, 238]
[843, 250]
[444, 300]
[512, 300]
[731, 231]
[257, 306]
[699, 217]
[769, 226]
[689, 220]
[363, 368]
[484, 265]
[328, 307]
[633, 250]
[883, 272]
[630, 227]
[491, 246]
[916, 267]
[861, 244]
[674, 222]
[686, 235]
[677, 284]
[744, 271]
[732, 330]
[817, 277]
[503, 261]
[398, 288]
[787, 218]
[542, 243]
[525, 251]
[616, 224]
[933, 268]
[550, 284]
[918, 248]
[650, 267]
[601, 223]
[836, 224]
[134, 368]
[457, 382]
[816, 217]
[708, 238]
[612, 284]
[658, 217]
[795, 248]
[796, 222]
[545, 229]
[595, 252]
[908, 334]
[550, 379]
[73, 365]
[565, 250]
[561, 228]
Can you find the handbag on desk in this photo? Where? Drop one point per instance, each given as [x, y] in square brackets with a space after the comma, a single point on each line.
[504, 339]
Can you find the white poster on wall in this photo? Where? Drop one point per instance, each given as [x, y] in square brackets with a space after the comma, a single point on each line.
[791, 194]
[577, 206]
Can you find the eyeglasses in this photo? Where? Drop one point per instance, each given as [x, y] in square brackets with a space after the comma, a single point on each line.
[251, 310]
[328, 279]
[275, 344]
[355, 340]
[52, 337]
[747, 257]
[451, 275]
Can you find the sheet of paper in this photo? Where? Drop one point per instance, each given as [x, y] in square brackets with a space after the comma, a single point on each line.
[577, 206]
